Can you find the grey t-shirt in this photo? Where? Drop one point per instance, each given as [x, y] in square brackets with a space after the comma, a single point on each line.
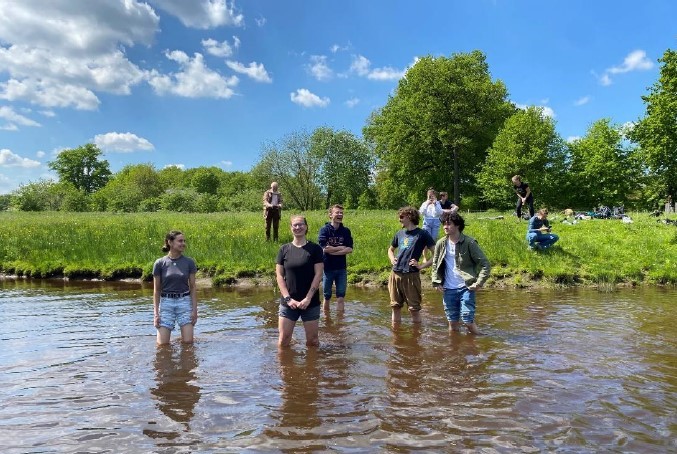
[174, 273]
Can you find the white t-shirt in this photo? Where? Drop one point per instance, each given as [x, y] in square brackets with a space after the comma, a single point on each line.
[452, 280]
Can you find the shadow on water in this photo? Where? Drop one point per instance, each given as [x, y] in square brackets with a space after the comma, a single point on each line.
[570, 371]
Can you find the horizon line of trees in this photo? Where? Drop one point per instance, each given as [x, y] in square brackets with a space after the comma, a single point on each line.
[448, 125]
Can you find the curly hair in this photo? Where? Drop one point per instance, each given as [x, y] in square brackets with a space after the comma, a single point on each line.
[410, 212]
[453, 218]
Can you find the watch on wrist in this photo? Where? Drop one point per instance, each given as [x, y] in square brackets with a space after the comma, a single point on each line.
[285, 299]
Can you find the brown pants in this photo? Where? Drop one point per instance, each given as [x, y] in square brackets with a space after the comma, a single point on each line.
[405, 287]
[272, 217]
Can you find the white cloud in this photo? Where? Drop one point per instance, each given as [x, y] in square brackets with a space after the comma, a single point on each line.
[227, 163]
[352, 102]
[14, 120]
[202, 13]
[122, 142]
[319, 69]
[194, 80]
[220, 49]
[572, 139]
[9, 159]
[40, 154]
[254, 70]
[582, 101]
[546, 111]
[336, 48]
[305, 98]
[48, 113]
[362, 67]
[178, 166]
[634, 61]
[58, 53]
[260, 21]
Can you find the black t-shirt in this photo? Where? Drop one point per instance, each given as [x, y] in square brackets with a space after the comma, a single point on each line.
[522, 189]
[446, 205]
[299, 269]
[411, 244]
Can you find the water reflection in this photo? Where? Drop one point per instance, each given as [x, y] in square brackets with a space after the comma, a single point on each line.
[175, 386]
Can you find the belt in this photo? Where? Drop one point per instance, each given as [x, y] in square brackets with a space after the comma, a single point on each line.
[174, 295]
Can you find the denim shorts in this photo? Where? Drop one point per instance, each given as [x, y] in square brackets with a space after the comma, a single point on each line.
[459, 303]
[331, 276]
[307, 315]
[175, 310]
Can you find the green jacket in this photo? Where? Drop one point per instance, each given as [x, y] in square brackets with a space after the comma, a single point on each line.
[471, 262]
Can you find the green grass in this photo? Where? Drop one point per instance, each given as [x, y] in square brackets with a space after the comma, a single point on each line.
[231, 246]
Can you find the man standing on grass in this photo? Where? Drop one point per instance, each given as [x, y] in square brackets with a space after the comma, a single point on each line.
[336, 242]
[404, 284]
[272, 210]
[524, 196]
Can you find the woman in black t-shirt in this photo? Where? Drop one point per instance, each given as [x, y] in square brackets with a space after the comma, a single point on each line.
[298, 271]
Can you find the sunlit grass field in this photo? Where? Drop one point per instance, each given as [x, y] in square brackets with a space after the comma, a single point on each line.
[230, 247]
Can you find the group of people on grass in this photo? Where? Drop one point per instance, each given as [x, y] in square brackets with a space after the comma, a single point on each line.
[459, 267]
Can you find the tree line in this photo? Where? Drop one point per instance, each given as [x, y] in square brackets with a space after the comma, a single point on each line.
[448, 125]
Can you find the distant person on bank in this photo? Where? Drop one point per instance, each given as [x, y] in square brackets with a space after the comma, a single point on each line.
[538, 234]
[406, 248]
[431, 210]
[460, 268]
[298, 271]
[272, 210]
[174, 294]
[524, 196]
[447, 205]
[336, 242]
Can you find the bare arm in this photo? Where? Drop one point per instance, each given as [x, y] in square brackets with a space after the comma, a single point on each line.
[281, 284]
[391, 255]
[157, 289]
[193, 298]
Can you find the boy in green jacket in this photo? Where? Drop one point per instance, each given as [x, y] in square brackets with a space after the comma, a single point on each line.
[459, 268]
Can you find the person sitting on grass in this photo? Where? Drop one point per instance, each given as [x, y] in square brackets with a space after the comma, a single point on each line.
[538, 233]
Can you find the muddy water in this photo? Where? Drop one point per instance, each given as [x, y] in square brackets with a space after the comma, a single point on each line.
[569, 371]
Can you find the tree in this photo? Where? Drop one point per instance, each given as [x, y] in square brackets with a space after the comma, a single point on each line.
[346, 165]
[656, 133]
[436, 128]
[129, 187]
[604, 170]
[526, 145]
[82, 168]
[290, 162]
[205, 180]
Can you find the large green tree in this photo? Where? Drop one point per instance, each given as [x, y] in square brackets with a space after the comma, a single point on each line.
[656, 133]
[435, 129]
[82, 167]
[527, 145]
[291, 163]
[129, 187]
[604, 169]
[346, 165]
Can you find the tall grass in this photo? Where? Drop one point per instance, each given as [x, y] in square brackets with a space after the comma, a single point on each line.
[231, 246]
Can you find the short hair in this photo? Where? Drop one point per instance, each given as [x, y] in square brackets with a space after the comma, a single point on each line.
[516, 178]
[337, 206]
[410, 212]
[431, 190]
[171, 236]
[543, 211]
[443, 193]
[453, 218]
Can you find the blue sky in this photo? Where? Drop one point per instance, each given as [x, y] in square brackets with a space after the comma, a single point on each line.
[207, 82]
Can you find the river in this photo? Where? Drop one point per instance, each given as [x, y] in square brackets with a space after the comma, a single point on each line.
[574, 370]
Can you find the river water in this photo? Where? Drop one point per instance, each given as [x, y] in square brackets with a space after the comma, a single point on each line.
[567, 371]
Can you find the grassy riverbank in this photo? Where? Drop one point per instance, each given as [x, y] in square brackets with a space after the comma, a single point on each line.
[229, 247]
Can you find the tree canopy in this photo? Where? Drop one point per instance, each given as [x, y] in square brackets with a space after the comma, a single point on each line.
[82, 168]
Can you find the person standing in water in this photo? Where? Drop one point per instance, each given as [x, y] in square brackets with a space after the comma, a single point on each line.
[174, 294]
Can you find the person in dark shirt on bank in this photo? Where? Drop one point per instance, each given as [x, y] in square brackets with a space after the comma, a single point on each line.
[524, 196]
[336, 242]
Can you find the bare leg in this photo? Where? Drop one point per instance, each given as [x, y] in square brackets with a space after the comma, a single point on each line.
[163, 335]
[286, 328]
[473, 329]
[312, 337]
[325, 305]
[187, 333]
[415, 316]
[340, 306]
[397, 315]
[455, 326]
